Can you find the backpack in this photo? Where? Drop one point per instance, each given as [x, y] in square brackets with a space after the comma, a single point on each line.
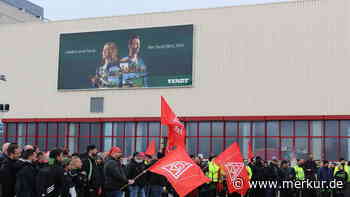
[45, 183]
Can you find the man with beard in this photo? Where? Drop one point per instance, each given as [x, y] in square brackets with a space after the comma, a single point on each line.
[115, 175]
[95, 181]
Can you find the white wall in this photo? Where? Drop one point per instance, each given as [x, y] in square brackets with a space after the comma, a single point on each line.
[275, 59]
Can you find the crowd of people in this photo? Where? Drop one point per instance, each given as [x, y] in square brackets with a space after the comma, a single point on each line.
[27, 172]
[320, 174]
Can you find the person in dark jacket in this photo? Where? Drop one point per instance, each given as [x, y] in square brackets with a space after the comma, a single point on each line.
[136, 167]
[26, 176]
[325, 174]
[79, 177]
[115, 175]
[271, 173]
[286, 173]
[310, 169]
[9, 170]
[95, 180]
[55, 181]
[258, 175]
[68, 189]
[100, 165]
[156, 182]
[3, 157]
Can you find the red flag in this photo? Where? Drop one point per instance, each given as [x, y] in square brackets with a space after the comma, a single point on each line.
[250, 151]
[231, 161]
[181, 171]
[151, 149]
[176, 130]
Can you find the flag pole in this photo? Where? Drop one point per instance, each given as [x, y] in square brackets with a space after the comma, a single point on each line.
[136, 177]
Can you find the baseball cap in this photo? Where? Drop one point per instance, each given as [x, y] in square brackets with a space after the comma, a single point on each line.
[141, 154]
[114, 149]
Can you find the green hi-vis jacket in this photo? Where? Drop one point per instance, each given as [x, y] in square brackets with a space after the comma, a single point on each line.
[213, 172]
[250, 172]
[346, 169]
[299, 173]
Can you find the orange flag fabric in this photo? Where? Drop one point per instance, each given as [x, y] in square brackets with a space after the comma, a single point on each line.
[181, 171]
[176, 130]
[250, 152]
[231, 161]
[151, 149]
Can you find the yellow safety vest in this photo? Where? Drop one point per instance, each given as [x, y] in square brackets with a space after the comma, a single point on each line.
[250, 172]
[346, 169]
[213, 172]
[299, 173]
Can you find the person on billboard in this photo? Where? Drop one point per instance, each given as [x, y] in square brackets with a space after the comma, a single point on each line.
[133, 66]
[109, 73]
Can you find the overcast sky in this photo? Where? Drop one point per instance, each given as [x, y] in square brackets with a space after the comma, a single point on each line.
[73, 9]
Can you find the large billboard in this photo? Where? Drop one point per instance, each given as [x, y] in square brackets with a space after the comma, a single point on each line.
[132, 58]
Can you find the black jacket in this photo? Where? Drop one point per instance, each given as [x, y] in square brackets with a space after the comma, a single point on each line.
[8, 172]
[79, 180]
[258, 172]
[40, 165]
[57, 177]
[115, 175]
[95, 181]
[310, 169]
[286, 174]
[3, 157]
[155, 179]
[25, 183]
[68, 183]
[134, 169]
[272, 172]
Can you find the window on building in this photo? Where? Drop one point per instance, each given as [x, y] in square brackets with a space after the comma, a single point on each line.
[326, 139]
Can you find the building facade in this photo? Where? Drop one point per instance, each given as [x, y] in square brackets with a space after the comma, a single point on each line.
[274, 74]
[20, 11]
